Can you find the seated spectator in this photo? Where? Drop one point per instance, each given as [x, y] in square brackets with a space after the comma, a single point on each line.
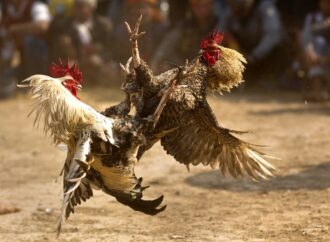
[183, 41]
[7, 74]
[152, 23]
[220, 8]
[255, 29]
[316, 52]
[24, 23]
[103, 8]
[177, 11]
[293, 12]
[60, 8]
[115, 10]
[85, 38]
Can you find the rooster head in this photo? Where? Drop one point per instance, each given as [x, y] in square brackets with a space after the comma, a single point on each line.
[72, 84]
[210, 47]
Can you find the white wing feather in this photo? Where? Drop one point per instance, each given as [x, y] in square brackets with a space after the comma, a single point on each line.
[62, 113]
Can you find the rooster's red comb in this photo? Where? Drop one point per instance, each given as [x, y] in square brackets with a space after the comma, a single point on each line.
[65, 69]
[210, 47]
[213, 38]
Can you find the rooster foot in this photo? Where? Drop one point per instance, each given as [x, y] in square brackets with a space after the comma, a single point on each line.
[134, 34]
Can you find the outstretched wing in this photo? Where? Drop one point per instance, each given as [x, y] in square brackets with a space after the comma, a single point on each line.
[76, 186]
[202, 140]
[61, 112]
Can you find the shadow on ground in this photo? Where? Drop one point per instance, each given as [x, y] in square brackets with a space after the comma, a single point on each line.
[314, 109]
[311, 178]
[258, 96]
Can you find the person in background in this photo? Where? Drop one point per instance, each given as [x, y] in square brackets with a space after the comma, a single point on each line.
[60, 8]
[292, 15]
[7, 72]
[255, 29]
[152, 24]
[183, 41]
[23, 26]
[315, 40]
[85, 38]
[103, 7]
[177, 11]
[293, 12]
[220, 7]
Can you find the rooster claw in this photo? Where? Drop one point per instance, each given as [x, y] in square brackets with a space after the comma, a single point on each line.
[149, 207]
[151, 203]
[134, 34]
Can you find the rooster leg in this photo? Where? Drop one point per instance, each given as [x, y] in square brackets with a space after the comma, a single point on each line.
[125, 68]
[166, 94]
[163, 101]
[134, 35]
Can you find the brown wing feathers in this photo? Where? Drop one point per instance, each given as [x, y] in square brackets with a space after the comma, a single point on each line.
[203, 141]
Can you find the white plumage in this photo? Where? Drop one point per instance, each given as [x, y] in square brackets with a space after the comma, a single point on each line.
[101, 151]
[63, 114]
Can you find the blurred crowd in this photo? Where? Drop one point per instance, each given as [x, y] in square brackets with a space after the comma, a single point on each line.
[286, 42]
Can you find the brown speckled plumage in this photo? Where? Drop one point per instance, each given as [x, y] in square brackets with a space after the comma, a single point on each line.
[187, 128]
[171, 108]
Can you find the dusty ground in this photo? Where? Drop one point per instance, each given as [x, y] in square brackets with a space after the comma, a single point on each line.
[202, 204]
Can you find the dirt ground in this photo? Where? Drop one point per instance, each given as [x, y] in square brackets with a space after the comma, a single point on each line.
[202, 205]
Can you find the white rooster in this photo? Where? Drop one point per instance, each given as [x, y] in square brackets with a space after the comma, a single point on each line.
[101, 150]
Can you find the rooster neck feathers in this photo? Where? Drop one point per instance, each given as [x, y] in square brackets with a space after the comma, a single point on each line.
[57, 105]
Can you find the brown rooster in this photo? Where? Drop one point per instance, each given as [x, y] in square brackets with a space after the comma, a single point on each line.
[187, 127]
